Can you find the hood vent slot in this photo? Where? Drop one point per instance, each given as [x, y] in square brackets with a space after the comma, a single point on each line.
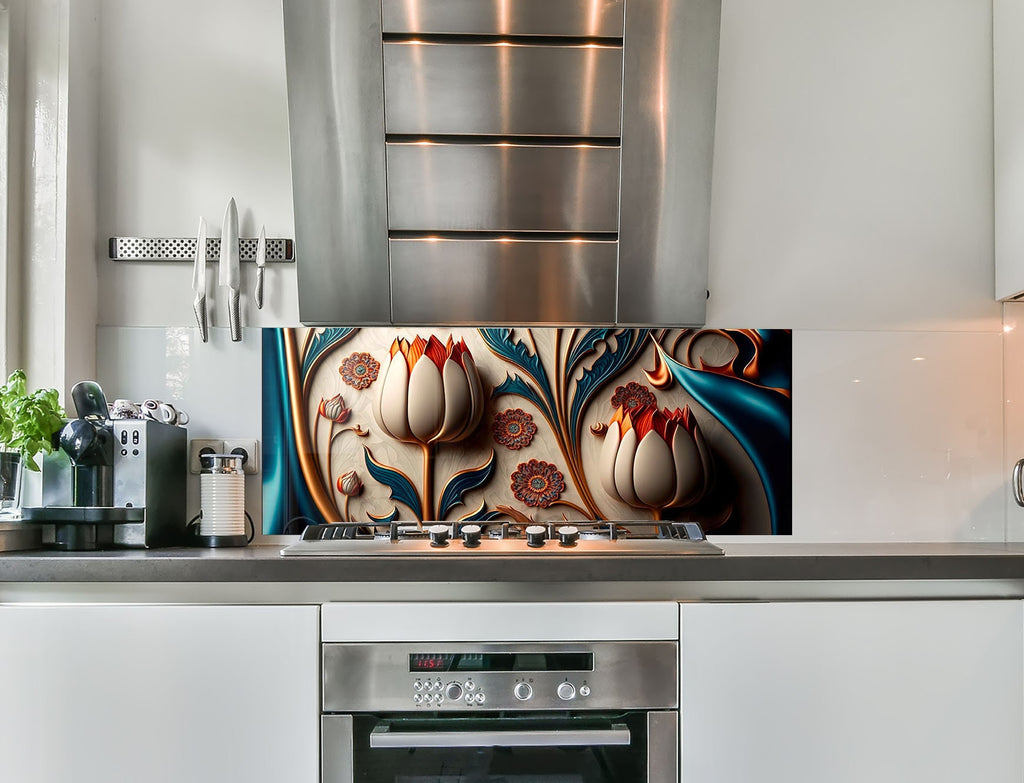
[501, 161]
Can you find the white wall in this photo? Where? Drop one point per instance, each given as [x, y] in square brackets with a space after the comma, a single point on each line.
[852, 203]
[194, 112]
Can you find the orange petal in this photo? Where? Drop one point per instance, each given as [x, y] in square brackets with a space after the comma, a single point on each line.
[415, 351]
[436, 351]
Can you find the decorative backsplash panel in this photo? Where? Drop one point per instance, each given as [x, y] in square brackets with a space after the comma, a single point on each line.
[541, 424]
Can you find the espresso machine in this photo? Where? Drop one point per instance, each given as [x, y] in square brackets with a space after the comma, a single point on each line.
[114, 482]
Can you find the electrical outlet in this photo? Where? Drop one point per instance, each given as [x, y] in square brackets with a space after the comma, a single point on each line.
[198, 446]
[249, 448]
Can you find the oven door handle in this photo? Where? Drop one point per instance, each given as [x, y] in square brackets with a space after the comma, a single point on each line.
[383, 737]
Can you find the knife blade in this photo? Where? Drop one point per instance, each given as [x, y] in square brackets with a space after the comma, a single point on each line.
[229, 274]
[199, 281]
[261, 262]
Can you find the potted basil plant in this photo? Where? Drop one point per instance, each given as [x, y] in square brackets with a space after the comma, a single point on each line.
[28, 423]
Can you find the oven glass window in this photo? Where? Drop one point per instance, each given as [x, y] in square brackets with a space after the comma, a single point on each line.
[482, 759]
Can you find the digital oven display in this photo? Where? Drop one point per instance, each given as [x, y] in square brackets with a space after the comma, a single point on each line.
[502, 662]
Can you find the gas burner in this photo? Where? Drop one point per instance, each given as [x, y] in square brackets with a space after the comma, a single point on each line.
[568, 539]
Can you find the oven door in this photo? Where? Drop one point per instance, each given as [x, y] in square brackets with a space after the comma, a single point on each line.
[630, 747]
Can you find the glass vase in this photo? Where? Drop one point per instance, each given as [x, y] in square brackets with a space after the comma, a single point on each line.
[11, 469]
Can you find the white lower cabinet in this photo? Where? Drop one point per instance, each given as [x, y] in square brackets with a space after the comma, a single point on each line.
[159, 694]
[857, 692]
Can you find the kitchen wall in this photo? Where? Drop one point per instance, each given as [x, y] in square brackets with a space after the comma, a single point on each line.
[852, 203]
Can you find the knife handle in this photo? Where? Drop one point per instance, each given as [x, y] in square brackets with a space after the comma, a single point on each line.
[234, 317]
[258, 293]
[199, 306]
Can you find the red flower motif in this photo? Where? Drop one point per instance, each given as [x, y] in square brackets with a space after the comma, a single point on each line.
[633, 396]
[359, 370]
[334, 409]
[537, 484]
[514, 428]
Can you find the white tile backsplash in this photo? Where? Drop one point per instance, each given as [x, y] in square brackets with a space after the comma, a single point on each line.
[219, 384]
[897, 436]
[1013, 395]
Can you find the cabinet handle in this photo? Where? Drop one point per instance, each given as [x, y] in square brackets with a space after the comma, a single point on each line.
[1018, 487]
[382, 737]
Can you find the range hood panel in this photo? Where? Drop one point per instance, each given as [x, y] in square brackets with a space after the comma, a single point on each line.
[592, 18]
[506, 90]
[502, 188]
[578, 132]
[460, 278]
[336, 125]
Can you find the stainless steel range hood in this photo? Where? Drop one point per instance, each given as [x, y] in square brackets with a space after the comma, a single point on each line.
[502, 161]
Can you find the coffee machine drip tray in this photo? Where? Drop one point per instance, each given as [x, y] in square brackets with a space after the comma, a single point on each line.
[78, 528]
[90, 515]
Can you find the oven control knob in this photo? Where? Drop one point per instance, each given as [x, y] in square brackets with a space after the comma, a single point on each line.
[453, 692]
[471, 535]
[522, 691]
[438, 535]
[536, 535]
[567, 535]
[584, 690]
[566, 691]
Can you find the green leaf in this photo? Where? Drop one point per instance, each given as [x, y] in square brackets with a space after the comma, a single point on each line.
[28, 421]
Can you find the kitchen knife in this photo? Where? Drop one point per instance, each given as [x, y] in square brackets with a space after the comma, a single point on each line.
[199, 281]
[229, 275]
[261, 262]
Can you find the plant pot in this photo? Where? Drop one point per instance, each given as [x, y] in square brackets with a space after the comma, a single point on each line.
[11, 470]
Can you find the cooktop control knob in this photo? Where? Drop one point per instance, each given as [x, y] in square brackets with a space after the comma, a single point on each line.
[567, 535]
[438, 535]
[453, 692]
[535, 535]
[522, 691]
[471, 535]
[566, 691]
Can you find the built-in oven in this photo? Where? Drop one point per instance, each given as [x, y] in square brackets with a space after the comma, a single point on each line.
[516, 712]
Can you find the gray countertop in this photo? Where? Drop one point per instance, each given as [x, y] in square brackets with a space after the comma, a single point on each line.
[742, 562]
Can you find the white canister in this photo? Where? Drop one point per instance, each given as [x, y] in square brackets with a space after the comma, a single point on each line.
[222, 499]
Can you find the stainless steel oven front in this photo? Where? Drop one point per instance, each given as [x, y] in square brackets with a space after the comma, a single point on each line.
[521, 712]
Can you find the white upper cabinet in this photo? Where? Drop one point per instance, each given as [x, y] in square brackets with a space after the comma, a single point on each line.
[1008, 97]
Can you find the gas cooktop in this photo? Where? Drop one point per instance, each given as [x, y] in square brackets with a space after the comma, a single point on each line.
[456, 539]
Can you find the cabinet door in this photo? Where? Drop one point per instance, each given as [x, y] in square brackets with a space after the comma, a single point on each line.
[1008, 121]
[162, 694]
[907, 692]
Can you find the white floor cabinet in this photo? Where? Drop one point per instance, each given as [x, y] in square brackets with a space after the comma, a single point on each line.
[857, 692]
[161, 694]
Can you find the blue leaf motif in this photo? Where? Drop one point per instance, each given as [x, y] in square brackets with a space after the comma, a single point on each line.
[401, 488]
[500, 342]
[520, 388]
[481, 514]
[386, 519]
[586, 344]
[759, 418]
[463, 482]
[629, 346]
[323, 341]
